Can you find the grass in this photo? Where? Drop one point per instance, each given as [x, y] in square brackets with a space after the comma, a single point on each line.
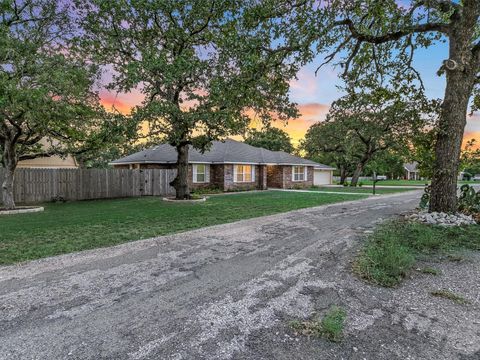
[330, 326]
[362, 190]
[391, 251]
[447, 294]
[75, 226]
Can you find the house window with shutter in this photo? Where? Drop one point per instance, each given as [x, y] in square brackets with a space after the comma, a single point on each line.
[243, 173]
[299, 173]
[201, 173]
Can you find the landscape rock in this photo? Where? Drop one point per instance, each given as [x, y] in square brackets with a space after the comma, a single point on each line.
[442, 219]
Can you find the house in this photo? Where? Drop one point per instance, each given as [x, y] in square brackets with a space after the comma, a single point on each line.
[232, 165]
[49, 162]
[52, 162]
[411, 171]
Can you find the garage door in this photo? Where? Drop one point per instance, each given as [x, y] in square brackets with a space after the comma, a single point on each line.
[322, 177]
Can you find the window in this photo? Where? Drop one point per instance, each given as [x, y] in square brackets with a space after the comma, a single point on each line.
[243, 173]
[201, 173]
[299, 173]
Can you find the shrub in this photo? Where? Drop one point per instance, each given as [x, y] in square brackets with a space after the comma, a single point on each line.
[469, 200]
[425, 199]
[207, 190]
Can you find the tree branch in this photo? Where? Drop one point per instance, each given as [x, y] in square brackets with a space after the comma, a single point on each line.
[381, 39]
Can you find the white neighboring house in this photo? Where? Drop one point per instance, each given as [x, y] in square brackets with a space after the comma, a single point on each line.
[411, 171]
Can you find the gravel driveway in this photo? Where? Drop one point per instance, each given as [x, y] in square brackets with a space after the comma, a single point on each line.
[229, 291]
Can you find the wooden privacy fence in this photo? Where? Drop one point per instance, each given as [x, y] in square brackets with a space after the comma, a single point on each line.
[40, 185]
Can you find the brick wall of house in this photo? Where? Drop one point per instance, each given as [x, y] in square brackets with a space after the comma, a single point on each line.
[216, 178]
[221, 176]
[275, 176]
[290, 184]
[263, 177]
[229, 184]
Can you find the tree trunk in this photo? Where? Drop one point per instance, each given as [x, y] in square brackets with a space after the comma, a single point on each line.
[180, 183]
[10, 162]
[460, 82]
[357, 173]
[343, 175]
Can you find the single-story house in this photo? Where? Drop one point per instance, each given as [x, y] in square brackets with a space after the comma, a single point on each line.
[231, 165]
[49, 162]
[411, 171]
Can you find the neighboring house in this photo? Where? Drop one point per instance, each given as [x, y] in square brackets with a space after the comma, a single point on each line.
[231, 165]
[52, 162]
[49, 162]
[411, 171]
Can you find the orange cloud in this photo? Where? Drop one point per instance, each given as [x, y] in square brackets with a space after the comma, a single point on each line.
[472, 129]
[309, 115]
[123, 102]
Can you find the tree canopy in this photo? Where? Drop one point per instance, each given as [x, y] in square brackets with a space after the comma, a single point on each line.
[368, 121]
[380, 38]
[199, 64]
[270, 138]
[45, 91]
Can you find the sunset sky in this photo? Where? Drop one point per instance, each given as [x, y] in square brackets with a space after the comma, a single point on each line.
[314, 94]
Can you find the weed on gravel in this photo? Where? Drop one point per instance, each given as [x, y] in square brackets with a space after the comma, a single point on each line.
[447, 294]
[430, 271]
[330, 326]
[392, 250]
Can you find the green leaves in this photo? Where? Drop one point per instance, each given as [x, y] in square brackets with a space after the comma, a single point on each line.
[46, 90]
[270, 138]
[200, 65]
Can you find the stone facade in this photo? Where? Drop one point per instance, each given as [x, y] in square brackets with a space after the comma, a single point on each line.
[221, 177]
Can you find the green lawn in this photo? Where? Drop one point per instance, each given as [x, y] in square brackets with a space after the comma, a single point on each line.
[75, 226]
[363, 190]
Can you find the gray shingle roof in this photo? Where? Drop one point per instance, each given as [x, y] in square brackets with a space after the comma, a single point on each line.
[411, 167]
[228, 151]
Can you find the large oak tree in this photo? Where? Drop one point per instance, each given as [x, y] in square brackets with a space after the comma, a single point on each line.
[45, 92]
[199, 64]
[368, 121]
[382, 36]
